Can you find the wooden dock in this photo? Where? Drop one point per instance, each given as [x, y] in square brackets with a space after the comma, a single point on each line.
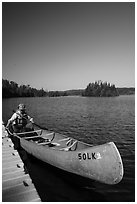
[17, 185]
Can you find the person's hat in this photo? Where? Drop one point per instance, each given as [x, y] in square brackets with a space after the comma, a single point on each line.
[21, 107]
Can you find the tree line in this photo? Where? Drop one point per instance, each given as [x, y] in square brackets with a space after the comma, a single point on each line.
[101, 89]
[12, 89]
[97, 89]
[126, 91]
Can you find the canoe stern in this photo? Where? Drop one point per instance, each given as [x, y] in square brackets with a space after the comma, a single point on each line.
[102, 163]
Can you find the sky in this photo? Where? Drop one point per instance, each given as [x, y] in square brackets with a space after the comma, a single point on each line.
[67, 45]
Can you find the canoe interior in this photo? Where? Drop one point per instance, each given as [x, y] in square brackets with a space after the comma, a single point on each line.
[53, 140]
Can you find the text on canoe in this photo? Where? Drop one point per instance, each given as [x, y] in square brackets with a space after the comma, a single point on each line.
[89, 156]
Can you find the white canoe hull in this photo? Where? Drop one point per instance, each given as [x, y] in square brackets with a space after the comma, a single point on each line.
[100, 163]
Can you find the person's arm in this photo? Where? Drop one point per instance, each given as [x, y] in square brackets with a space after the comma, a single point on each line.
[14, 116]
[8, 123]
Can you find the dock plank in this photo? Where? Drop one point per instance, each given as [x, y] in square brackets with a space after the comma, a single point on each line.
[17, 186]
[23, 196]
[14, 190]
[14, 175]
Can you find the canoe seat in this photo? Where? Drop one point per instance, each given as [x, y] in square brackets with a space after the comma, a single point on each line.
[32, 137]
[55, 144]
[44, 143]
[64, 139]
[33, 133]
[47, 141]
[69, 148]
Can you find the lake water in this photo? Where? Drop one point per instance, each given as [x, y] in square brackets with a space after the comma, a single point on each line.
[94, 121]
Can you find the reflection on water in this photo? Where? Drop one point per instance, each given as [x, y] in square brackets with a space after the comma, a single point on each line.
[92, 120]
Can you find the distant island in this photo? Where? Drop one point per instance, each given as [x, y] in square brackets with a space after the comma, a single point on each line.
[100, 89]
[11, 89]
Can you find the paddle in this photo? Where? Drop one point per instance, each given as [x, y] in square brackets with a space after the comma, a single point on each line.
[44, 128]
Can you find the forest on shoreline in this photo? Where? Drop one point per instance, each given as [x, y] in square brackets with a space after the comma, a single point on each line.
[11, 89]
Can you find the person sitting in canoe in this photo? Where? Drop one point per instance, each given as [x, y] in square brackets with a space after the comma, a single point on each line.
[19, 120]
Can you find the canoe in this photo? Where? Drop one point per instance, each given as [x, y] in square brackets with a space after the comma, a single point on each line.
[100, 163]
